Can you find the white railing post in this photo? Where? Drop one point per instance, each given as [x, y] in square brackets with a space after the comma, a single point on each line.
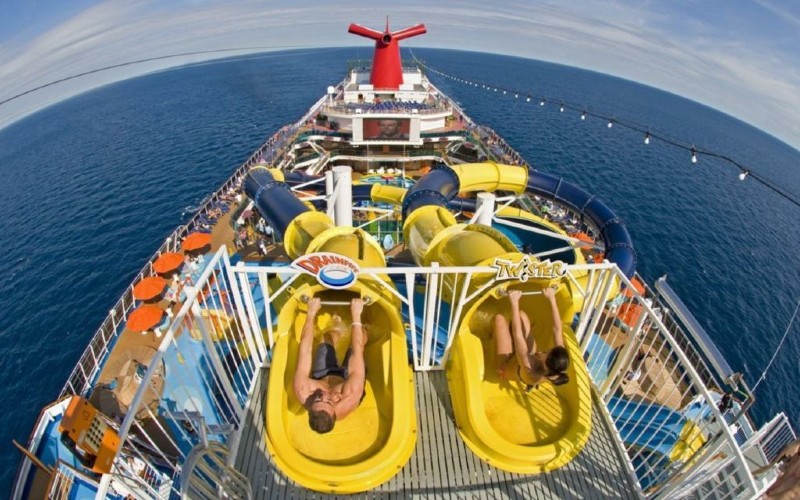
[343, 201]
[484, 209]
[429, 325]
[329, 189]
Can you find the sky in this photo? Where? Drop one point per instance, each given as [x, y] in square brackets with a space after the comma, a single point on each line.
[741, 57]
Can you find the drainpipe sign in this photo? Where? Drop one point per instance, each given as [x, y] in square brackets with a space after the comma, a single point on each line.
[528, 268]
[332, 270]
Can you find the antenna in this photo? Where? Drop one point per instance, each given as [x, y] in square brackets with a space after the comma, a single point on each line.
[387, 69]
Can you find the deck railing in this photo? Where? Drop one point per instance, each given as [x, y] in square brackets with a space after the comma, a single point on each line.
[668, 422]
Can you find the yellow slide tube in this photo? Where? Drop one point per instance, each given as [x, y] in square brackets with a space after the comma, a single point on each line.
[374, 442]
[515, 430]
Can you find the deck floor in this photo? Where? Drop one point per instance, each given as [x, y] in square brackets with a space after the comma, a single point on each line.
[442, 466]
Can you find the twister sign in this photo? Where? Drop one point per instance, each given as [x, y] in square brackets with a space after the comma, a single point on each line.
[528, 268]
[332, 270]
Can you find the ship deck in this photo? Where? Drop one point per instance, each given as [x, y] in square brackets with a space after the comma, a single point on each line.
[442, 466]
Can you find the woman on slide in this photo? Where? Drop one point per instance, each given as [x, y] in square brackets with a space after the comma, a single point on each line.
[514, 340]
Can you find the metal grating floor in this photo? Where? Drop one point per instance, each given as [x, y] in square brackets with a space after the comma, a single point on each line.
[442, 466]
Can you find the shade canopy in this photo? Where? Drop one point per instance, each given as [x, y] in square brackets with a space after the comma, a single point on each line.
[196, 241]
[168, 262]
[149, 288]
[144, 318]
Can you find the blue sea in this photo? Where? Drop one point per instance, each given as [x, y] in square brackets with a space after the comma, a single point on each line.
[93, 185]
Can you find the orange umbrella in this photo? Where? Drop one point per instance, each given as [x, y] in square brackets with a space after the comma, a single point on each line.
[196, 241]
[629, 313]
[144, 318]
[637, 285]
[149, 288]
[167, 262]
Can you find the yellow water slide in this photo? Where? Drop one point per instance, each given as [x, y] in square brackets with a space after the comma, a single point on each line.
[377, 439]
[511, 428]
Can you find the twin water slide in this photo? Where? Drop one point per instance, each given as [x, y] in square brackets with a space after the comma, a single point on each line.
[540, 431]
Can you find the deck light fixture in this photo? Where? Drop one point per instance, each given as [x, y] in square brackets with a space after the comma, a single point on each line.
[647, 137]
[610, 123]
[694, 155]
[744, 174]
[561, 108]
[583, 115]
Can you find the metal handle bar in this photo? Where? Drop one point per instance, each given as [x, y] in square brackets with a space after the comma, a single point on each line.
[504, 291]
[304, 300]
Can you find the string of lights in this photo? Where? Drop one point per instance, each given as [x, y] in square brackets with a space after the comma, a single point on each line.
[648, 134]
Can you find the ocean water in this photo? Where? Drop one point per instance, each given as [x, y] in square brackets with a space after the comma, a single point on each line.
[93, 185]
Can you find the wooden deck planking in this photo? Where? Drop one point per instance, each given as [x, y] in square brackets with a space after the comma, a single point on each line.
[442, 466]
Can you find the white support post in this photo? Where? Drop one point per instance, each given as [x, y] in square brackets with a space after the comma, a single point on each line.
[329, 189]
[484, 208]
[343, 201]
[429, 326]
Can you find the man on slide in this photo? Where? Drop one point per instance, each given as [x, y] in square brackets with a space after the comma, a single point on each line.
[328, 391]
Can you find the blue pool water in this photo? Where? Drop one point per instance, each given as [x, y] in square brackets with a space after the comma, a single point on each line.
[93, 185]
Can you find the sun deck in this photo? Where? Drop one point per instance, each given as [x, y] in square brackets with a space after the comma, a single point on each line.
[442, 466]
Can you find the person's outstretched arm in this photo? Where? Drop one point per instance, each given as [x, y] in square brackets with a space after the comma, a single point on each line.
[558, 335]
[353, 387]
[302, 372]
[518, 337]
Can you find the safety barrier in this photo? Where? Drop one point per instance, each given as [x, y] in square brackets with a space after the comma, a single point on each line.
[672, 426]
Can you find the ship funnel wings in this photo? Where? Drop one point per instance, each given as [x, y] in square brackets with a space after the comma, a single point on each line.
[387, 69]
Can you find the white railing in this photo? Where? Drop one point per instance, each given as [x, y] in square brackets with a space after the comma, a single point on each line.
[667, 420]
[195, 388]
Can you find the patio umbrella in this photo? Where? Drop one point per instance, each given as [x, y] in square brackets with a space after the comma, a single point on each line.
[637, 285]
[168, 262]
[144, 318]
[629, 314]
[196, 241]
[149, 288]
[583, 237]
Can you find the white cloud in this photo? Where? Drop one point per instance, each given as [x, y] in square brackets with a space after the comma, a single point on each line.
[645, 43]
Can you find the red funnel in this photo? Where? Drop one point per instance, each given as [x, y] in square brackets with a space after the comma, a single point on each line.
[387, 70]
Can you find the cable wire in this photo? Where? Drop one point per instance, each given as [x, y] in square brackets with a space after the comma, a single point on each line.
[744, 170]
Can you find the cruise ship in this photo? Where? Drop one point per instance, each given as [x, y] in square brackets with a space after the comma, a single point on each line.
[409, 245]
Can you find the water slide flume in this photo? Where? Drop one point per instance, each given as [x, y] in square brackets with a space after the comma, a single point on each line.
[377, 439]
[507, 426]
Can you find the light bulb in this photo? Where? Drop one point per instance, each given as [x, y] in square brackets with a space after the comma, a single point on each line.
[528, 99]
[583, 115]
[561, 108]
[694, 155]
[647, 138]
[610, 123]
[541, 103]
[516, 96]
[504, 92]
[743, 175]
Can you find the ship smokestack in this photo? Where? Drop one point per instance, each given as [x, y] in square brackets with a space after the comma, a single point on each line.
[387, 69]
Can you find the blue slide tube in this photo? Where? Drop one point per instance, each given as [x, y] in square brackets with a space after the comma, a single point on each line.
[440, 187]
[617, 241]
[273, 199]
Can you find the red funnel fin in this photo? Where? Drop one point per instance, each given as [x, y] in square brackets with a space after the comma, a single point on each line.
[387, 70]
